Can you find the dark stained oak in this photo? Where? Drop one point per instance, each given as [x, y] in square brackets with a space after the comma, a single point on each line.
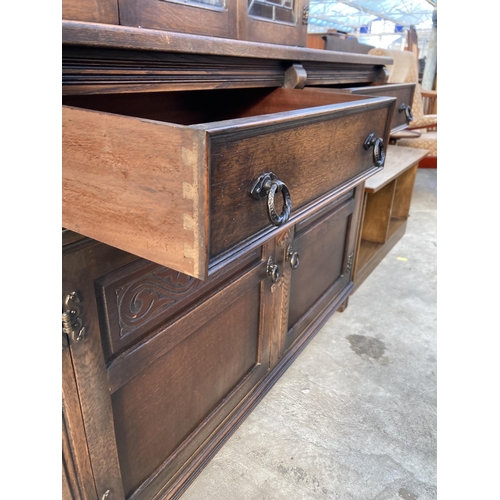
[91, 70]
[190, 17]
[78, 483]
[163, 134]
[109, 36]
[326, 246]
[403, 92]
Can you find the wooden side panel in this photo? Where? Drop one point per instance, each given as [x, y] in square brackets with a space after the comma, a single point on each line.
[66, 491]
[78, 480]
[90, 371]
[94, 11]
[378, 214]
[315, 41]
[403, 194]
[136, 185]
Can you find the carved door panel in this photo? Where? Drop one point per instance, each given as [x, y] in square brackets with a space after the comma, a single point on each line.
[165, 363]
[321, 257]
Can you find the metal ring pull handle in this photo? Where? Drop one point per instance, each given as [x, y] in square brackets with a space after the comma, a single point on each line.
[292, 257]
[378, 149]
[272, 270]
[267, 185]
[407, 110]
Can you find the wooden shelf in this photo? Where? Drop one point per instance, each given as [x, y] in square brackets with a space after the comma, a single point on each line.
[386, 209]
[367, 250]
[394, 226]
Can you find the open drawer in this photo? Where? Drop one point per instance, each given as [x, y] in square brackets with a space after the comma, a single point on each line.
[403, 92]
[179, 178]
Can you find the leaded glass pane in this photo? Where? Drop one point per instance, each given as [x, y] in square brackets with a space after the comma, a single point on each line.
[281, 11]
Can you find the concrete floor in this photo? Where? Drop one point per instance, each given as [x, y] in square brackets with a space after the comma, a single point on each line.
[354, 417]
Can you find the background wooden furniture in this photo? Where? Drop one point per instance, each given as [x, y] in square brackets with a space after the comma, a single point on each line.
[342, 42]
[386, 208]
[405, 70]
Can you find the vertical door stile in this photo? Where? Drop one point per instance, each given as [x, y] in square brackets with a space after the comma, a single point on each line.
[93, 386]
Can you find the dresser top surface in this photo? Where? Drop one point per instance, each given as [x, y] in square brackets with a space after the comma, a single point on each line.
[123, 37]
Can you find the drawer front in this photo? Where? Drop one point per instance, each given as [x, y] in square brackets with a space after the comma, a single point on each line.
[311, 158]
[404, 98]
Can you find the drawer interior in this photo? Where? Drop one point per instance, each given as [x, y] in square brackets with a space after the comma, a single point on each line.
[206, 106]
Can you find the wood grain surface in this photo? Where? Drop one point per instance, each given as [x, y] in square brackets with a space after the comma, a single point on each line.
[397, 160]
[99, 35]
[136, 185]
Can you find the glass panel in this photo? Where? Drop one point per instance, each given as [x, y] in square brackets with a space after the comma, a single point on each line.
[282, 11]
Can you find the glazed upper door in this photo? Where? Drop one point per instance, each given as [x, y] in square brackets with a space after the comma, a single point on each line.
[197, 17]
[273, 21]
[163, 363]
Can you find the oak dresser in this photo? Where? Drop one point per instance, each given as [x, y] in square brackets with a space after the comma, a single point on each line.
[212, 185]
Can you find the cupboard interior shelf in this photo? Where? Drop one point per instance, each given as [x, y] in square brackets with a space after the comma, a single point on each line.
[386, 208]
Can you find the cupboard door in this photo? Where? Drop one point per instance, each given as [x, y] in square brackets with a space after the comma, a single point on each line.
[197, 17]
[273, 21]
[321, 257]
[158, 399]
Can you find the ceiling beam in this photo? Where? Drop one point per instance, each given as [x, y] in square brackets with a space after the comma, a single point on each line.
[382, 15]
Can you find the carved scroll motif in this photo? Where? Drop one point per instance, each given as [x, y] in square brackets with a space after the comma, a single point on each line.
[150, 295]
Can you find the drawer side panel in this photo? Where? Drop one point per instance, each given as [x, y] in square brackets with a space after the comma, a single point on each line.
[136, 185]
